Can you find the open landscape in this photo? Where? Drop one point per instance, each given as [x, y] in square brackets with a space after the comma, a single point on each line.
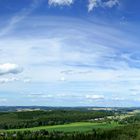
[69, 123]
[69, 69]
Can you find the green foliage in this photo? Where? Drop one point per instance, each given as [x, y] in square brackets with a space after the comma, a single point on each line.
[130, 132]
[73, 127]
[27, 119]
[133, 119]
[69, 125]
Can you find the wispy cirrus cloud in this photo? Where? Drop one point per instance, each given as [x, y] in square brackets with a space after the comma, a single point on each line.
[8, 80]
[96, 54]
[72, 72]
[100, 3]
[95, 57]
[111, 3]
[93, 4]
[95, 97]
[60, 2]
[22, 14]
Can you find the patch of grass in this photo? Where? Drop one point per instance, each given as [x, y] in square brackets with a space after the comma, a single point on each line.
[79, 126]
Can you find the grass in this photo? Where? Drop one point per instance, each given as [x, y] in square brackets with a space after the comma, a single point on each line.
[79, 126]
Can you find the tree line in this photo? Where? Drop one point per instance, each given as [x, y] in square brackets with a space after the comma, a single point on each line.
[12, 120]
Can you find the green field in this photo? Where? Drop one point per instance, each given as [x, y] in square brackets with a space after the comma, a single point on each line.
[79, 126]
[70, 124]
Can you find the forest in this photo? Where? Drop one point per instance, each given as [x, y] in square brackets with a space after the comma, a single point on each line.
[70, 124]
[27, 119]
[130, 132]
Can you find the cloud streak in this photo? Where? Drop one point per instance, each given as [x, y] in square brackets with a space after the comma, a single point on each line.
[95, 97]
[111, 3]
[100, 3]
[60, 2]
[8, 80]
[19, 17]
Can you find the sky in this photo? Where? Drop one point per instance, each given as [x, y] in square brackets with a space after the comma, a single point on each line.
[70, 53]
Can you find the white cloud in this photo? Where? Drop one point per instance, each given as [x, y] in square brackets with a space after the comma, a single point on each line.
[62, 79]
[118, 99]
[26, 80]
[7, 80]
[9, 68]
[95, 97]
[111, 3]
[99, 3]
[40, 95]
[49, 55]
[72, 72]
[92, 55]
[14, 79]
[92, 4]
[60, 2]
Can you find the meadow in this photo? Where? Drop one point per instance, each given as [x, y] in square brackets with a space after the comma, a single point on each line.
[72, 127]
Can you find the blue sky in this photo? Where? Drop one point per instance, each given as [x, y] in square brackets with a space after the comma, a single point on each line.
[70, 52]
